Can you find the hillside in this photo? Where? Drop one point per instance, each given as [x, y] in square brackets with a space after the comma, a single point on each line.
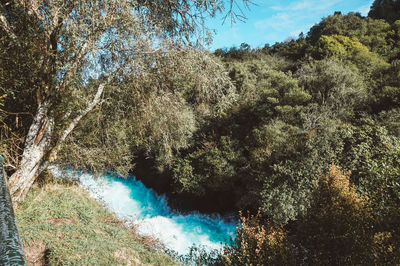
[60, 225]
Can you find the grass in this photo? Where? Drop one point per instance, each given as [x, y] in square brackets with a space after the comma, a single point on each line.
[60, 225]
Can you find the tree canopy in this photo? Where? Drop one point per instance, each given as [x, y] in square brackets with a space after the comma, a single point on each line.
[73, 52]
[388, 10]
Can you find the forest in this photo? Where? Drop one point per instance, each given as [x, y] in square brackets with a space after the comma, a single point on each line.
[302, 138]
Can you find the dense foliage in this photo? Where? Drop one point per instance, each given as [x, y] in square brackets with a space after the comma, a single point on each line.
[332, 96]
[335, 231]
[385, 9]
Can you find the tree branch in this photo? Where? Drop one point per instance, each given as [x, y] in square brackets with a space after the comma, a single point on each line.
[75, 121]
[74, 65]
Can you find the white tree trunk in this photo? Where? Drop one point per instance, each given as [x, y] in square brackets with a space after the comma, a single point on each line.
[37, 143]
[39, 151]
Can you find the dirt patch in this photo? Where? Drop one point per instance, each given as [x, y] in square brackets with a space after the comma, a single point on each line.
[36, 254]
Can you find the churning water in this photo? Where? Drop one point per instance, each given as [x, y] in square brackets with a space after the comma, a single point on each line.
[131, 201]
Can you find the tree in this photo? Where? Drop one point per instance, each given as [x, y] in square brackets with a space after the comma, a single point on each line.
[371, 32]
[335, 87]
[388, 10]
[83, 47]
[351, 50]
[258, 242]
[336, 228]
[152, 116]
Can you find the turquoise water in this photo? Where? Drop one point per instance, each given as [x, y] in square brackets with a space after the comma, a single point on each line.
[134, 203]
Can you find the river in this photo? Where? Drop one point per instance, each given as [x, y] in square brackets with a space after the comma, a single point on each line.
[134, 203]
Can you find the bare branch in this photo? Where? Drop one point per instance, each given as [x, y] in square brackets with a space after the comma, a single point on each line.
[239, 14]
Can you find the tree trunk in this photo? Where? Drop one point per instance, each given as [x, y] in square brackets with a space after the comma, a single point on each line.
[37, 144]
[39, 151]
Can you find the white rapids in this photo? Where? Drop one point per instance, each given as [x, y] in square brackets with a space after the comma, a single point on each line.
[134, 203]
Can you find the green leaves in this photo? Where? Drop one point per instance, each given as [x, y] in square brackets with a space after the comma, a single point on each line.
[2, 97]
[351, 50]
[387, 10]
[212, 168]
[336, 228]
[334, 86]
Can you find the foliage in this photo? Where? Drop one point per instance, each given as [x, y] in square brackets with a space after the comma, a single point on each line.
[336, 228]
[385, 95]
[334, 86]
[255, 126]
[301, 105]
[214, 167]
[218, 162]
[156, 114]
[2, 99]
[19, 69]
[257, 243]
[74, 51]
[198, 255]
[374, 155]
[385, 9]
[352, 51]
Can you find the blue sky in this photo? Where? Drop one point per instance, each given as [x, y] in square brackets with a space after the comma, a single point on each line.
[271, 21]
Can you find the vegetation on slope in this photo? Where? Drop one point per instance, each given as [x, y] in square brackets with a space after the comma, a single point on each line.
[60, 225]
[337, 230]
[332, 96]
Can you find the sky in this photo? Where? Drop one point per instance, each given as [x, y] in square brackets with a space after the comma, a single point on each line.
[270, 21]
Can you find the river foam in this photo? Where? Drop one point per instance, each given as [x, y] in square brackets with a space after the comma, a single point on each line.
[134, 203]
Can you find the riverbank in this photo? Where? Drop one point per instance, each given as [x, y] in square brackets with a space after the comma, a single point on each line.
[60, 224]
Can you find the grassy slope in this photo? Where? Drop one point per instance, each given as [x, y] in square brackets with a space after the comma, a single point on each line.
[60, 224]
